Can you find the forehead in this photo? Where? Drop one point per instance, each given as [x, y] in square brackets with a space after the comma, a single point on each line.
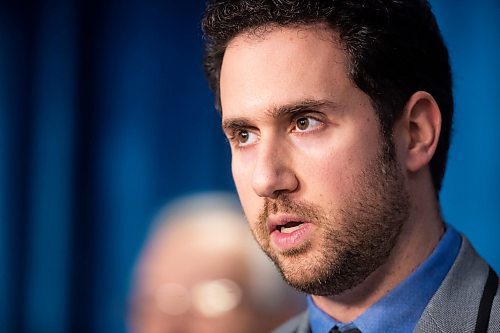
[282, 65]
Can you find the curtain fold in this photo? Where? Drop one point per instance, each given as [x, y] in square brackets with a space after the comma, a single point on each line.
[105, 116]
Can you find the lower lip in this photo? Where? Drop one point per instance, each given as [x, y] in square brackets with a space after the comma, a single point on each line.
[285, 241]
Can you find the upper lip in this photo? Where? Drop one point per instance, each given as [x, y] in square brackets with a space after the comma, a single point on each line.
[275, 221]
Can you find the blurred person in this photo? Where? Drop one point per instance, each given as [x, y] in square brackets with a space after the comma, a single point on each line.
[200, 271]
[339, 116]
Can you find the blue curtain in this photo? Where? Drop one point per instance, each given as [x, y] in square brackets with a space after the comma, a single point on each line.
[105, 116]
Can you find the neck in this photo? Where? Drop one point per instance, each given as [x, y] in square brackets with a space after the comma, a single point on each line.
[419, 236]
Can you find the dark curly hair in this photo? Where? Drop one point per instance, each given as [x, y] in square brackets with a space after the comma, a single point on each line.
[394, 49]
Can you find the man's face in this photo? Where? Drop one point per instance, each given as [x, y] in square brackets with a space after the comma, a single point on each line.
[320, 187]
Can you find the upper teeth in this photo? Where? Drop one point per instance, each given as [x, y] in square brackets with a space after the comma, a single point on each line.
[288, 230]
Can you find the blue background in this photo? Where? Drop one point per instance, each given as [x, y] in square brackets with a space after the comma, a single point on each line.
[105, 116]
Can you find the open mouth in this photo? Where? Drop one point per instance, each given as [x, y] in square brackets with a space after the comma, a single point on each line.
[287, 232]
[289, 227]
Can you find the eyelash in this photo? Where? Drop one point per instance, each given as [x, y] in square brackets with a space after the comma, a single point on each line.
[235, 132]
[233, 137]
[308, 116]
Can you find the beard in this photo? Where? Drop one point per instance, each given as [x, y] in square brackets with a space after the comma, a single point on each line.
[353, 240]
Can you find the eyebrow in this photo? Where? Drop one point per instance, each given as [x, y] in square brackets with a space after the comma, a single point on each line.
[281, 111]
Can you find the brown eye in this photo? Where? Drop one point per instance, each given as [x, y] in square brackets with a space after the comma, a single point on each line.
[302, 123]
[243, 136]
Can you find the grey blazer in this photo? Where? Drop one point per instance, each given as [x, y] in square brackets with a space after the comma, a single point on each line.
[455, 305]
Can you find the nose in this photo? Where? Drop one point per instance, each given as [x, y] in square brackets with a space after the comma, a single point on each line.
[273, 173]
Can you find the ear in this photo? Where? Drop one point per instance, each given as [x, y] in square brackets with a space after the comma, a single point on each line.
[423, 123]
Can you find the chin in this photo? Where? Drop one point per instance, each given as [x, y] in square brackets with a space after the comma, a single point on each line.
[313, 273]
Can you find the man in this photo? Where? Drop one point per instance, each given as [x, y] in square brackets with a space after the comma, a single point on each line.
[339, 114]
[200, 271]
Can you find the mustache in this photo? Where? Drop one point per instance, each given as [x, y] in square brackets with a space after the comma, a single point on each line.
[283, 204]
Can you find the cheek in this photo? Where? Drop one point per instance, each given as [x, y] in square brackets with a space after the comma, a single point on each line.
[328, 164]
[242, 176]
[326, 178]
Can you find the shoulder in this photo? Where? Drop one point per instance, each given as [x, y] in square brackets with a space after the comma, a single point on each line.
[297, 324]
[454, 307]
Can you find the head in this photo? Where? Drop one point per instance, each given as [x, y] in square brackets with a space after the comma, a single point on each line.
[200, 271]
[335, 111]
[393, 49]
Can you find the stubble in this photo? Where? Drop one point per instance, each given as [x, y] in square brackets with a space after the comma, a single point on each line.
[353, 239]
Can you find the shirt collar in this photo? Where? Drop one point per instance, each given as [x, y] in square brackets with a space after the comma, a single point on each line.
[399, 310]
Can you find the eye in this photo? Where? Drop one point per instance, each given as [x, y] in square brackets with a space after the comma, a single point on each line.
[244, 138]
[306, 124]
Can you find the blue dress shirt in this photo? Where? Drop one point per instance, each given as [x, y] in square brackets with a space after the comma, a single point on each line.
[399, 310]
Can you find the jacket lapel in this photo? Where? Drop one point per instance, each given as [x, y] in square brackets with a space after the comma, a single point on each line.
[304, 324]
[453, 308]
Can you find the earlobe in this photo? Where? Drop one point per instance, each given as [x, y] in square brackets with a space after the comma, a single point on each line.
[424, 126]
